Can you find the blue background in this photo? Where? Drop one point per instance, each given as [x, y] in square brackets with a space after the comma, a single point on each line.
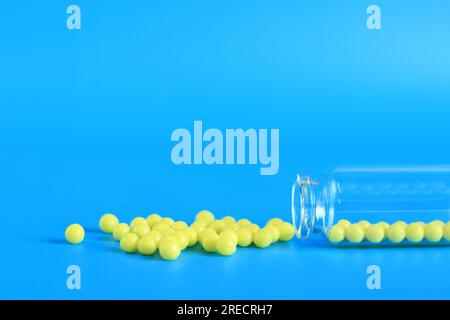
[86, 117]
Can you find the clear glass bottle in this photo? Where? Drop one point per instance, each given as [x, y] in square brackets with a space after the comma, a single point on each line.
[390, 194]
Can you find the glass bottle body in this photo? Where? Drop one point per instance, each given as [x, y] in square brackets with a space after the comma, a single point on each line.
[409, 194]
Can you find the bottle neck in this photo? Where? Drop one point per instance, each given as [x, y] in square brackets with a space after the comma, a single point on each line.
[312, 206]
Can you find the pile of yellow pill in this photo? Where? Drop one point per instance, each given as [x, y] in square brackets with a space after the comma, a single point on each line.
[398, 232]
[163, 235]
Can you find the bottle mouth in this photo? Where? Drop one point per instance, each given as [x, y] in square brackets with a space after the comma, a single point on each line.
[303, 206]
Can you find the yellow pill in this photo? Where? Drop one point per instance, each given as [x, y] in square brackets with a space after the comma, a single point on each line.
[244, 222]
[245, 237]
[447, 231]
[217, 225]
[193, 236]
[228, 219]
[179, 225]
[209, 242]
[262, 238]
[433, 232]
[234, 226]
[167, 220]
[136, 221]
[423, 224]
[205, 233]
[337, 234]
[74, 233]
[156, 235]
[396, 233]
[199, 226]
[403, 224]
[439, 222]
[120, 231]
[414, 232]
[129, 243]
[385, 226]
[161, 226]
[108, 222]
[344, 223]
[168, 238]
[226, 246]
[169, 250]
[254, 227]
[153, 219]
[287, 231]
[274, 232]
[231, 234]
[375, 233]
[167, 231]
[147, 245]
[182, 238]
[275, 222]
[364, 223]
[355, 233]
[205, 215]
[140, 229]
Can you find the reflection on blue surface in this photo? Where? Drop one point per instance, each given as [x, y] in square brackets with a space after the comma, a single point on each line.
[86, 117]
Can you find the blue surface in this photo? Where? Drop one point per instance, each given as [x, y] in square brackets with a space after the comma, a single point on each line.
[86, 118]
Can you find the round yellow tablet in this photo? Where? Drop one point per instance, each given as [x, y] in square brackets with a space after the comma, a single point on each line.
[439, 222]
[423, 224]
[205, 215]
[337, 233]
[161, 226]
[355, 233]
[447, 231]
[375, 233]
[344, 223]
[140, 229]
[182, 238]
[193, 236]
[275, 222]
[414, 232]
[226, 246]
[244, 222]
[254, 227]
[434, 231]
[385, 226]
[179, 225]
[403, 224]
[231, 234]
[199, 226]
[120, 231]
[234, 226]
[153, 219]
[262, 238]
[167, 220]
[217, 225]
[147, 245]
[205, 233]
[136, 221]
[228, 220]
[396, 233]
[129, 243]
[108, 222]
[274, 232]
[168, 238]
[209, 242]
[169, 250]
[287, 231]
[74, 233]
[245, 237]
[364, 223]
[156, 235]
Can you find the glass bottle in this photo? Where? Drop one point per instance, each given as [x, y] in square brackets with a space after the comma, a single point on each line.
[412, 194]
